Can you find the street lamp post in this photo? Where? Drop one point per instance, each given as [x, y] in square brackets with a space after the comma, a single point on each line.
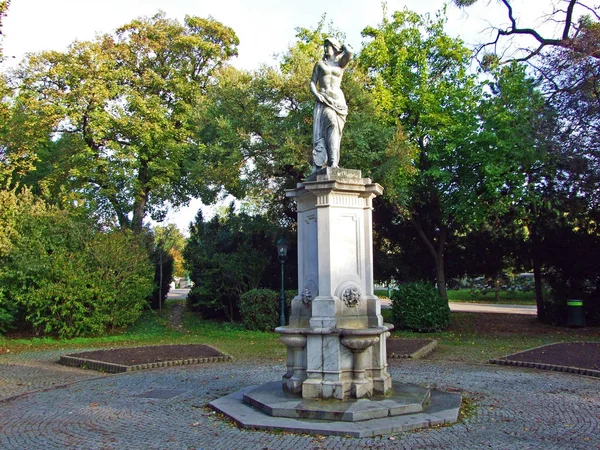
[282, 248]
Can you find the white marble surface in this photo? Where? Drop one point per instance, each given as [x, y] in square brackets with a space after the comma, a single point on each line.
[335, 266]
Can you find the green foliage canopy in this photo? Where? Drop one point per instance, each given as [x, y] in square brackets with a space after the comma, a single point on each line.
[119, 109]
[467, 162]
[226, 257]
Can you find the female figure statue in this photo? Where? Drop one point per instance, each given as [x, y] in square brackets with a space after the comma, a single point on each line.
[330, 109]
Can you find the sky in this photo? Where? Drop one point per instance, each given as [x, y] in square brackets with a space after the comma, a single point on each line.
[265, 28]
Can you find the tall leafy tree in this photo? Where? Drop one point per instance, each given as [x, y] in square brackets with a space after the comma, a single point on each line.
[566, 60]
[566, 33]
[421, 81]
[226, 257]
[521, 125]
[571, 80]
[119, 110]
[18, 139]
[467, 163]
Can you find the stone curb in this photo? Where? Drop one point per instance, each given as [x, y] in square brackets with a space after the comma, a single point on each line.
[418, 354]
[119, 368]
[543, 366]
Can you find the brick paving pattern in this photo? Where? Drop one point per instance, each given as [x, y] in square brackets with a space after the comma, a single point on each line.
[513, 408]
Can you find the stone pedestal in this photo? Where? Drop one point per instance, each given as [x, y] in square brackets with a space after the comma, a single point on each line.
[336, 336]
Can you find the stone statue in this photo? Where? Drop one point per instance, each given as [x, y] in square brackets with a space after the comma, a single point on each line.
[330, 108]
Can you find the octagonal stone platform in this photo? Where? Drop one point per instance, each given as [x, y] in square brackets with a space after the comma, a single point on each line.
[407, 407]
[403, 399]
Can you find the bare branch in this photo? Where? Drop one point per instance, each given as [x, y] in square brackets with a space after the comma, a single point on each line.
[569, 36]
[592, 10]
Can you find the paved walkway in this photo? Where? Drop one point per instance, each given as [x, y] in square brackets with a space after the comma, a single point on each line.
[530, 310]
[512, 408]
[481, 308]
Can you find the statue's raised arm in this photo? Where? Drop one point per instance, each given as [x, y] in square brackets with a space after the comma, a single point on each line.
[330, 108]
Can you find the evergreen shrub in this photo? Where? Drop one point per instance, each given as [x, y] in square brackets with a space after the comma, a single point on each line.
[419, 307]
[259, 308]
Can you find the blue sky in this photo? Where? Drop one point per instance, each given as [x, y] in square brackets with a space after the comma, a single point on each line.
[265, 27]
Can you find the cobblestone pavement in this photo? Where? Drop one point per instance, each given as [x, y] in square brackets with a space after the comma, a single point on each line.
[166, 409]
[27, 372]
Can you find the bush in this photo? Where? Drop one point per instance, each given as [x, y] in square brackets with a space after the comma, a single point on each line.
[226, 257]
[67, 277]
[88, 290]
[7, 313]
[419, 307]
[259, 308]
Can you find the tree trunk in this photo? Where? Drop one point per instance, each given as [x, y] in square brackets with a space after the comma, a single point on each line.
[497, 289]
[440, 267]
[139, 211]
[160, 281]
[536, 261]
[141, 200]
[436, 254]
[537, 280]
[440, 277]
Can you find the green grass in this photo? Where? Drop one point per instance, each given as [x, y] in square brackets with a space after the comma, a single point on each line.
[467, 340]
[510, 298]
[152, 329]
[381, 293]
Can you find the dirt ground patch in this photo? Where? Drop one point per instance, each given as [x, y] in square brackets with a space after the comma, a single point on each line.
[152, 354]
[583, 355]
[405, 348]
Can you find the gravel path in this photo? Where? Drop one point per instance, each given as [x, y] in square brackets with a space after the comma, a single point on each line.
[176, 316]
[165, 408]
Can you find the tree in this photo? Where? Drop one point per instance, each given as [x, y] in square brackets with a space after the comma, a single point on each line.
[467, 164]
[119, 109]
[420, 80]
[19, 139]
[572, 84]
[173, 240]
[567, 65]
[260, 124]
[226, 257]
[167, 256]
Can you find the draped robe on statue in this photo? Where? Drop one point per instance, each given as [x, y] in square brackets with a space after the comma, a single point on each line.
[329, 120]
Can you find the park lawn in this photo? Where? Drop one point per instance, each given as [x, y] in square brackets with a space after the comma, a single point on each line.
[152, 329]
[506, 298]
[471, 337]
[478, 337]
